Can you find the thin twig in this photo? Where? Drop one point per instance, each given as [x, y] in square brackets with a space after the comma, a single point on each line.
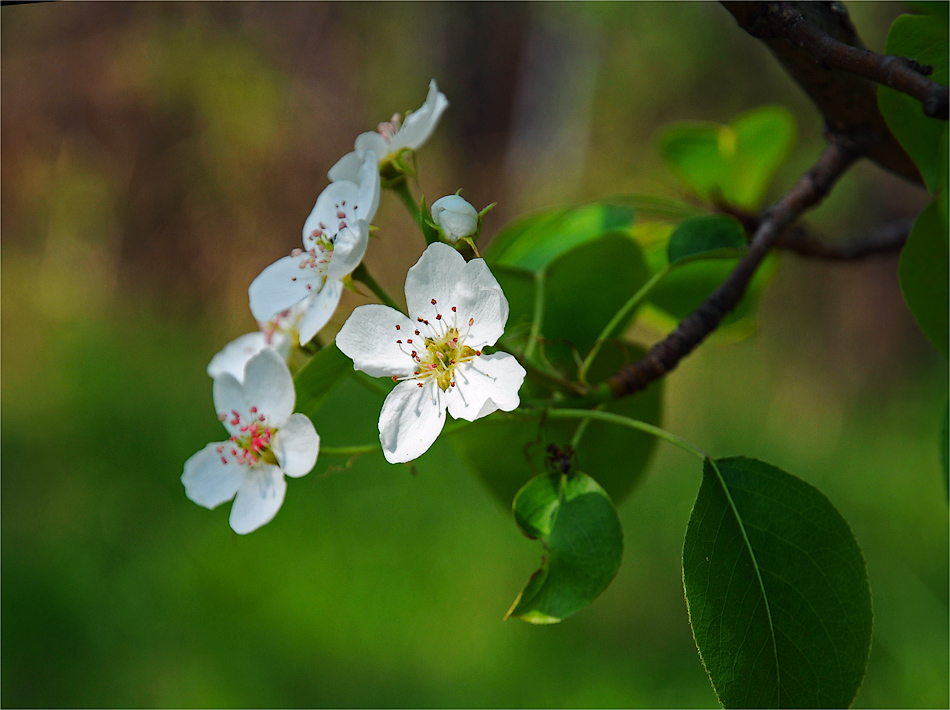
[810, 189]
[887, 238]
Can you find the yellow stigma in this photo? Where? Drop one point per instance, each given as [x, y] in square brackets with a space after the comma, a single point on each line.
[443, 355]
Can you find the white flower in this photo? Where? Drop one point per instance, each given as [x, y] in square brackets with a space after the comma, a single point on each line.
[456, 310]
[390, 137]
[455, 218]
[335, 236]
[280, 333]
[267, 442]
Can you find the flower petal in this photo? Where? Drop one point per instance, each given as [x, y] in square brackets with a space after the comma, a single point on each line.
[348, 250]
[209, 481]
[346, 168]
[485, 384]
[419, 125]
[320, 310]
[232, 358]
[269, 387]
[228, 395]
[372, 141]
[296, 445]
[411, 420]
[328, 207]
[369, 187]
[369, 338]
[434, 276]
[258, 499]
[282, 285]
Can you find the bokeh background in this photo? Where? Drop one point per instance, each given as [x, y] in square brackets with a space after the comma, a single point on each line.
[157, 156]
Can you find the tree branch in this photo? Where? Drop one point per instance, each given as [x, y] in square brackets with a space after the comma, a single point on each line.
[886, 238]
[810, 189]
[802, 37]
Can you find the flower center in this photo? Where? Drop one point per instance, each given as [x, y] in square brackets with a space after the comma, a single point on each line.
[439, 351]
[252, 444]
[315, 261]
[387, 129]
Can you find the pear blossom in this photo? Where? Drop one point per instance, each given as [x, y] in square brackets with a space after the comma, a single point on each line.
[335, 236]
[392, 137]
[456, 309]
[267, 442]
[454, 217]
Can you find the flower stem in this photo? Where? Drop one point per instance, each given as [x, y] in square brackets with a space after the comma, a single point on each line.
[618, 318]
[362, 275]
[401, 188]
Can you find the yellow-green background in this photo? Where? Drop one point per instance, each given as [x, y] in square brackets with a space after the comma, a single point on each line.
[157, 156]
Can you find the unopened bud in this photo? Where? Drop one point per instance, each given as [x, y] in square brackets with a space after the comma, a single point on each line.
[455, 218]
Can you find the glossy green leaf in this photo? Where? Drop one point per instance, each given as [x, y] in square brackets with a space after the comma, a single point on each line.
[705, 236]
[924, 265]
[938, 8]
[574, 519]
[777, 590]
[534, 242]
[315, 379]
[519, 288]
[506, 450]
[924, 39]
[733, 163]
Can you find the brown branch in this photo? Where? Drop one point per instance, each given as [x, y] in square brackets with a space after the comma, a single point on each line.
[886, 238]
[847, 100]
[810, 189]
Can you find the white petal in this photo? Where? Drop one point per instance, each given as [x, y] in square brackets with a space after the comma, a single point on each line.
[411, 420]
[209, 481]
[369, 187]
[328, 207]
[419, 125]
[234, 356]
[372, 141]
[435, 275]
[258, 499]
[348, 250]
[369, 338]
[485, 384]
[228, 397]
[346, 168]
[282, 285]
[296, 445]
[321, 308]
[269, 387]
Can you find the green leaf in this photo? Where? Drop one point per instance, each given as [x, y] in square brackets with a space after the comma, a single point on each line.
[945, 450]
[938, 8]
[506, 450]
[534, 242]
[734, 163]
[577, 524]
[704, 236]
[315, 379]
[923, 270]
[924, 39]
[777, 590]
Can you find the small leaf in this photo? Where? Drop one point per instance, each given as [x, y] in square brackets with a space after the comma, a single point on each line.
[315, 379]
[734, 163]
[924, 266]
[777, 590]
[922, 38]
[534, 242]
[704, 236]
[583, 541]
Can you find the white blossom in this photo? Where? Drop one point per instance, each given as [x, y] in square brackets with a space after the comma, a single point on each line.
[335, 237]
[268, 441]
[456, 309]
[391, 137]
[454, 217]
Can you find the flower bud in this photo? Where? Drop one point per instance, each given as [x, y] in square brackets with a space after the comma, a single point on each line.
[455, 218]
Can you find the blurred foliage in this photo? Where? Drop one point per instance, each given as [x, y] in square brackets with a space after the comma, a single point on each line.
[157, 156]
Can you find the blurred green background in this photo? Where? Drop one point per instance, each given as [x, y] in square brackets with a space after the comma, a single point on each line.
[157, 156]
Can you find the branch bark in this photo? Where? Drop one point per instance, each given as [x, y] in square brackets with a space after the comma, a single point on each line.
[801, 36]
[810, 190]
[887, 238]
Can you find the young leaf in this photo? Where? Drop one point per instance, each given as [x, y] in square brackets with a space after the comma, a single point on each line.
[704, 236]
[315, 379]
[734, 163]
[924, 266]
[777, 590]
[922, 38]
[577, 524]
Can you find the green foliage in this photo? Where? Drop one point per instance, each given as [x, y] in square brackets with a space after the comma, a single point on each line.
[705, 236]
[924, 39]
[734, 163]
[945, 449]
[777, 590]
[315, 379]
[574, 519]
[923, 270]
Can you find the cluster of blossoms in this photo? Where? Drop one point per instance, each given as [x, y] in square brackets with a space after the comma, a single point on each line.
[456, 309]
